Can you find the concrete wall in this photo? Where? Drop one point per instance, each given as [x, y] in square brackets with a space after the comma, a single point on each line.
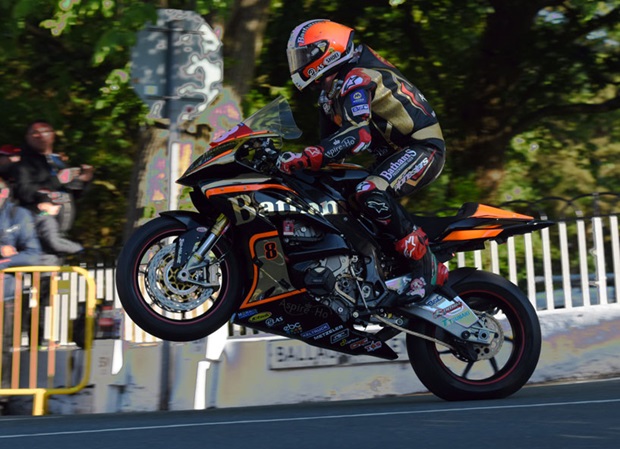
[220, 372]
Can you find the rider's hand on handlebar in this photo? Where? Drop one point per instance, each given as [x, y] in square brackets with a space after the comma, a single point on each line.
[311, 157]
[289, 162]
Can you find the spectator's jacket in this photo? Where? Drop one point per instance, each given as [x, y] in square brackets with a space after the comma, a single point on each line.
[17, 229]
[35, 175]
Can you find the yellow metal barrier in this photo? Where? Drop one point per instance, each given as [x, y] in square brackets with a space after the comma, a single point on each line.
[58, 289]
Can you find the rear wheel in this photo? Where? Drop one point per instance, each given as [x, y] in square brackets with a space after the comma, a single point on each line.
[162, 305]
[481, 371]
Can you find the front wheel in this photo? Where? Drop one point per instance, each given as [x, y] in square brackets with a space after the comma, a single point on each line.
[161, 304]
[482, 371]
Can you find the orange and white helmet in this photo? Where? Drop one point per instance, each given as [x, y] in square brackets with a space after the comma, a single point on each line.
[315, 47]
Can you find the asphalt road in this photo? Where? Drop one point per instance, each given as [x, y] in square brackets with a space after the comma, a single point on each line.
[574, 415]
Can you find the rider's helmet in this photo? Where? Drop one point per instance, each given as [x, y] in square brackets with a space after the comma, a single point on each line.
[315, 48]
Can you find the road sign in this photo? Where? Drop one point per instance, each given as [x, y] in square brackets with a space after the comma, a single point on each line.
[176, 65]
[177, 69]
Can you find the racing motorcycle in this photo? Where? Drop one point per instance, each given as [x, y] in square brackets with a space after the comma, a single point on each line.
[290, 255]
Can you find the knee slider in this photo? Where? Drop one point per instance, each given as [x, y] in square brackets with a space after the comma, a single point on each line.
[375, 203]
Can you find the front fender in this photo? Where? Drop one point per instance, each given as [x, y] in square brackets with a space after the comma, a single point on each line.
[189, 218]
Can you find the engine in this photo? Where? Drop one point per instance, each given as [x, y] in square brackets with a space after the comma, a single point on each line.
[334, 281]
[337, 278]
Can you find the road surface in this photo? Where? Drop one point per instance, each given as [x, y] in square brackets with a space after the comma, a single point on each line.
[566, 416]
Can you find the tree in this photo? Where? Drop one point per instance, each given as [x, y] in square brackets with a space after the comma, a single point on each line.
[526, 91]
[68, 62]
[492, 69]
[56, 68]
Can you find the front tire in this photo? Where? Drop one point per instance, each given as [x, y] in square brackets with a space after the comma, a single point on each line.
[162, 305]
[512, 359]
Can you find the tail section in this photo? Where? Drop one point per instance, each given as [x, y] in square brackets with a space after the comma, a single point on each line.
[473, 225]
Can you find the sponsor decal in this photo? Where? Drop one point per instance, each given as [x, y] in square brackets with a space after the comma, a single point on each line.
[359, 343]
[328, 332]
[359, 97]
[246, 210]
[270, 322]
[397, 165]
[260, 317]
[434, 300]
[457, 318]
[301, 37]
[293, 328]
[412, 174]
[340, 336]
[299, 309]
[247, 313]
[356, 79]
[362, 109]
[317, 330]
[352, 82]
[335, 56]
[339, 146]
[450, 310]
[373, 346]
[379, 206]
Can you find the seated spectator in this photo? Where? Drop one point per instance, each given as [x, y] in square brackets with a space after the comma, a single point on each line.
[19, 246]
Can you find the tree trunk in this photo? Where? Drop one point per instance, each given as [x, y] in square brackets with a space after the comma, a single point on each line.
[243, 41]
[491, 106]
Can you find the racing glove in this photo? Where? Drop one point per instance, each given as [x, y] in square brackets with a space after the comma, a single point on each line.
[310, 157]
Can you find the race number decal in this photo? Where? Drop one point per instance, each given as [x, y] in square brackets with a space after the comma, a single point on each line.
[271, 250]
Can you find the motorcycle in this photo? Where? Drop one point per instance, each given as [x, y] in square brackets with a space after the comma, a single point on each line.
[289, 255]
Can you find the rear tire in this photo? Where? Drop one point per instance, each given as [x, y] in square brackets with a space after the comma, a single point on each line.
[162, 305]
[450, 376]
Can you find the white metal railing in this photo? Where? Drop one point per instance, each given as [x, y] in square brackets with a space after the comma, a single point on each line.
[575, 263]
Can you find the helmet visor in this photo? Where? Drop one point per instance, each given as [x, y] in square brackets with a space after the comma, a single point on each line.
[300, 57]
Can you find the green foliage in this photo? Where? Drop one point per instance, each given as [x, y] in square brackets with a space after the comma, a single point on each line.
[529, 88]
[77, 77]
[513, 85]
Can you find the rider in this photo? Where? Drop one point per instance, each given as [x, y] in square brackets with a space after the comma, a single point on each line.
[367, 104]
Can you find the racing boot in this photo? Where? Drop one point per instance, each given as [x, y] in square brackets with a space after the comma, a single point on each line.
[427, 272]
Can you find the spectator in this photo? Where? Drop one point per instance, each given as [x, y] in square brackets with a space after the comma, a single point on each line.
[9, 156]
[19, 246]
[42, 174]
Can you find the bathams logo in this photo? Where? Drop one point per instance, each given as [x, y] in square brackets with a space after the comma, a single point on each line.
[246, 209]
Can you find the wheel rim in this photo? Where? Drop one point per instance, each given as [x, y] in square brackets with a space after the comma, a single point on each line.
[497, 360]
[163, 294]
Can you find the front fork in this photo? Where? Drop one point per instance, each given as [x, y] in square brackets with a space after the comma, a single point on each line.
[196, 259]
